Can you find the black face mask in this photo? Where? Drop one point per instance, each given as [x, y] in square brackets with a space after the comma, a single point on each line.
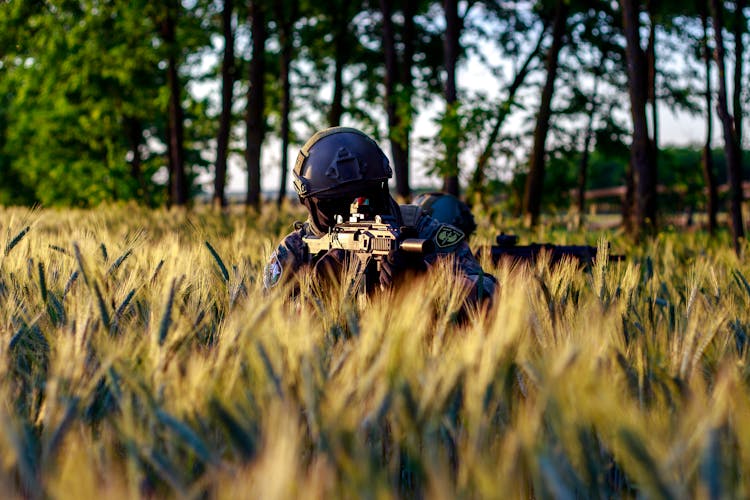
[323, 211]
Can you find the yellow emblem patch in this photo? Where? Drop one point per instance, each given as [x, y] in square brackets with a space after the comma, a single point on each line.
[448, 236]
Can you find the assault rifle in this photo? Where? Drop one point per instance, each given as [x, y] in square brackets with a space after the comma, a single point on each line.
[507, 248]
[368, 239]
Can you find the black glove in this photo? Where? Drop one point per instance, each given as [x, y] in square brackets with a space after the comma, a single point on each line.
[392, 269]
[329, 267]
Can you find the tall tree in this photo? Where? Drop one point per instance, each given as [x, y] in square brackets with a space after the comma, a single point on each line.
[641, 164]
[399, 88]
[535, 181]
[450, 133]
[338, 64]
[225, 120]
[178, 183]
[405, 109]
[731, 147]
[476, 187]
[709, 175]
[286, 15]
[598, 55]
[255, 126]
[391, 77]
[344, 45]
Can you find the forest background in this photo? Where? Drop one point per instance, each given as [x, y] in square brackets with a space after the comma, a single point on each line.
[113, 100]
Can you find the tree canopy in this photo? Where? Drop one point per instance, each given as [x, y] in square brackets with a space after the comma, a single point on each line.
[123, 100]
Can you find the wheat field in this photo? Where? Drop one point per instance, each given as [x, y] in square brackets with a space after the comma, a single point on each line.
[140, 357]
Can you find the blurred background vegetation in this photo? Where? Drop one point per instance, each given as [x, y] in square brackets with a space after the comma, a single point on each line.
[152, 101]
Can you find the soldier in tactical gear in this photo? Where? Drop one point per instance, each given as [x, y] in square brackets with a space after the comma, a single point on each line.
[339, 165]
[447, 208]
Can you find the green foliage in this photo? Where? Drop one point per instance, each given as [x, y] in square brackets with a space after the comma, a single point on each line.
[450, 139]
[81, 83]
[560, 177]
[142, 357]
[65, 131]
[329, 38]
[83, 94]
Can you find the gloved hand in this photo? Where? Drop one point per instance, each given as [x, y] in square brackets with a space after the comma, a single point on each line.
[392, 268]
[330, 266]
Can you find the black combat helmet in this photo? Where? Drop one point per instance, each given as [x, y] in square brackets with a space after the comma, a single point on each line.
[335, 166]
[340, 161]
[449, 209]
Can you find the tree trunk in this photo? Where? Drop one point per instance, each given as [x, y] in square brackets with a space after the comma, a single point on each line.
[286, 21]
[532, 199]
[285, 108]
[337, 106]
[395, 127]
[644, 173]
[255, 125]
[739, 30]
[178, 184]
[390, 78]
[408, 40]
[340, 19]
[451, 48]
[476, 185]
[709, 175]
[731, 148]
[225, 120]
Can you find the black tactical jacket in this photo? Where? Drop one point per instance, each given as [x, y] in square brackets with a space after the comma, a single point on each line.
[291, 256]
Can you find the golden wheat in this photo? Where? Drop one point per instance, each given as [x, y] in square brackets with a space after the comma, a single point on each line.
[140, 356]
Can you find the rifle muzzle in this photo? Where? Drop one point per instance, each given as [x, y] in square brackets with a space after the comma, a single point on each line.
[416, 245]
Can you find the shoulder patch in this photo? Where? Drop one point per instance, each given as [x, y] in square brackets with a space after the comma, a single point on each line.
[447, 236]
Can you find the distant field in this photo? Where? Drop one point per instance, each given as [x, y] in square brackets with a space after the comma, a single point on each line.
[140, 357]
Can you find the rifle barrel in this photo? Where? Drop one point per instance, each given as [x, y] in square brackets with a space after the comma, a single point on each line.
[416, 245]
